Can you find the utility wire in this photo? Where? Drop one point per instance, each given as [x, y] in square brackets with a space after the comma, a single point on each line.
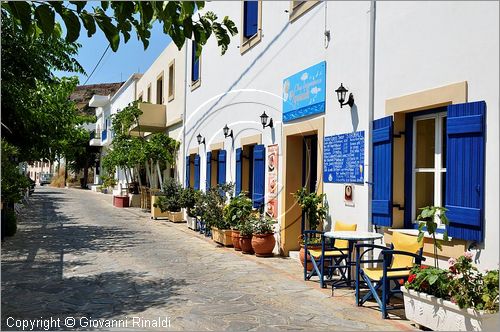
[98, 62]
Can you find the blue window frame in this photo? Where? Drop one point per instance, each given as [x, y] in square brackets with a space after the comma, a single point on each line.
[250, 18]
[195, 64]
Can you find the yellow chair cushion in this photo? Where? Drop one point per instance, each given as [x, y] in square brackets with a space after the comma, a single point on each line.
[328, 253]
[341, 226]
[375, 273]
[408, 243]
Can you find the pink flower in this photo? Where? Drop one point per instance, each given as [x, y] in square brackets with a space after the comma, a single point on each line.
[452, 261]
[468, 255]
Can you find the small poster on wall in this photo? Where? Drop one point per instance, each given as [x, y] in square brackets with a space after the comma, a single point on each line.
[272, 181]
[348, 195]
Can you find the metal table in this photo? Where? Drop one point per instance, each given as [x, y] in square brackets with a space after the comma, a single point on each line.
[352, 237]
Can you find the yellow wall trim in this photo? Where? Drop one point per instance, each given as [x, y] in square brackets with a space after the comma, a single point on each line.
[445, 95]
[249, 140]
[301, 8]
[193, 151]
[217, 146]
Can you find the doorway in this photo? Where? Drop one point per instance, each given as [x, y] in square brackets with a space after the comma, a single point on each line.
[309, 169]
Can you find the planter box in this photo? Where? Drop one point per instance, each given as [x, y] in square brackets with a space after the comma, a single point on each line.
[135, 200]
[191, 222]
[223, 236]
[156, 212]
[176, 216]
[441, 315]
[120, 201]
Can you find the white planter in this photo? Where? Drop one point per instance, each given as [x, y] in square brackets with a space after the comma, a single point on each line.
[441, 315]
[191, 222]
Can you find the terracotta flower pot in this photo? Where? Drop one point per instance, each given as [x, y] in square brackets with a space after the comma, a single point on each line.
[263, 244]
[236, 240]
[246, 244]
[302, 254]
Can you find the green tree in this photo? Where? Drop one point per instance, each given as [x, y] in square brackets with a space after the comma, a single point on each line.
[181, 20]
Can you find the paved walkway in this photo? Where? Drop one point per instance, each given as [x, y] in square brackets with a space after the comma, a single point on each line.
[77, 256]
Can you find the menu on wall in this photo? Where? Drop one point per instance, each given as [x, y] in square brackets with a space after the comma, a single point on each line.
[272, 181]
[344, 157]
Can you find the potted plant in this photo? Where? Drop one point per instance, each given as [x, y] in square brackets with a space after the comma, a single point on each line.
[459, 298]
[214, 216]
[314, 210]
[199, 210]
[188, 201]
[263, 240]
[108, 183]
[427, 223]
[246, 234]
[237, 211]
[167, 203]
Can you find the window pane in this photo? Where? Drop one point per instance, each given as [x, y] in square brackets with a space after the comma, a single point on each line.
[443, 140]
[424, 191]
[443, 188]
[425, 143]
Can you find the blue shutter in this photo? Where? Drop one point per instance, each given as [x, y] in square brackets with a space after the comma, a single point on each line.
[238, 170]
[259, 169]
[251, 16]
[195, 64]
[465, 170]
[187, 172]
[209, 171]
[221, 177]
[382, 140]
[197, 172]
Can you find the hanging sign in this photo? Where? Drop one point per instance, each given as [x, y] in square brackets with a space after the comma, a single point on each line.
[272, 181]
[304, 93]
[344, 158]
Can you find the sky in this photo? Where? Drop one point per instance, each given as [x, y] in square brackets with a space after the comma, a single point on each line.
[117, 66]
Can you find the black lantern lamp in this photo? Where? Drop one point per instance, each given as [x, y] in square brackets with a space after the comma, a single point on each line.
[341, 92]
[201, 139]
[263, 120]
[227, 133]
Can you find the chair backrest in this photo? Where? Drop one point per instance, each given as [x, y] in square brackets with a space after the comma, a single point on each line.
[408, 243]
[341, 226]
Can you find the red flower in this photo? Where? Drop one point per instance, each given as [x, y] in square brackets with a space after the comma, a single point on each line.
[411, 278]
[423, 267]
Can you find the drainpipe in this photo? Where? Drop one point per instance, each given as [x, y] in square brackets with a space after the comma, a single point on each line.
[183, 143]
[371, 108]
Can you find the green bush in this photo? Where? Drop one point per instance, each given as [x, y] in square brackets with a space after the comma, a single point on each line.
[10, 221]
[170, 198]
[238, 210]
[188, 200]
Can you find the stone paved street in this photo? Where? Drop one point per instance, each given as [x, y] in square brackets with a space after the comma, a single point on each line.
[76, 255]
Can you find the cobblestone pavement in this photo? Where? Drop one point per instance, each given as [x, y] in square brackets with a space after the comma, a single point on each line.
[76, 255]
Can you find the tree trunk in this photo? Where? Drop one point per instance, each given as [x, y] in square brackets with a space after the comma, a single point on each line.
[138, 175]
[159, 175]
[148, 174]
[65, 171]
[85, 174]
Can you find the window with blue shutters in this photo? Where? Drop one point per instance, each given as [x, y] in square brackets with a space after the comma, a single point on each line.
[221, 175]
[250, 18]
[382, 151]
[208, 180]
[197, 172]
[465, 158]
[195, 64]
[259, 163]
[239, 165]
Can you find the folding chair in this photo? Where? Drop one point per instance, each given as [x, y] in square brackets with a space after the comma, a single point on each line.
[397, 262]
[333, 252]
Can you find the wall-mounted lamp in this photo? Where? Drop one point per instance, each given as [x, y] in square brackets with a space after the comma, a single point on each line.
[227, 133]
[201, 139]
[341, 92]
[263, 120]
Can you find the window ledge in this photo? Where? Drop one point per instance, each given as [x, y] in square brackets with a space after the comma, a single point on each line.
[248, 43]
[301, 9]
[195, 85]
[411, 231]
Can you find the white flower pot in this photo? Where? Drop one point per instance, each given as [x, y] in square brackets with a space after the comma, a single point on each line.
[441, 315]
[191, 222]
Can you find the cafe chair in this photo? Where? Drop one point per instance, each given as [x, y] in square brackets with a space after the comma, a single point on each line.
[396, 261]
[333, 255]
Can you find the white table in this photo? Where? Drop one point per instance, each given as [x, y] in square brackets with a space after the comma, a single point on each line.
[352, 237]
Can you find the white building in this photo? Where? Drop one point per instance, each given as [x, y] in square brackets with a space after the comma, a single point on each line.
[409, 66]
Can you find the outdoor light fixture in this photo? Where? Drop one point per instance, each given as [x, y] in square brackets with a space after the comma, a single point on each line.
[263, 120]
[227, 133]
[341, 91]
[201, 139]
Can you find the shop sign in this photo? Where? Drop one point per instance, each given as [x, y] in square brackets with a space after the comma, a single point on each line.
[304, 93]
[272, 181]
[344, 158]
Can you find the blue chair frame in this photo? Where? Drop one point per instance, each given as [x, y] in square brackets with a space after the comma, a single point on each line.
[384, 283]
[334, 262]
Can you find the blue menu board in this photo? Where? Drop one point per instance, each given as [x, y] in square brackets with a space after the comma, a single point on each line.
[344, 158]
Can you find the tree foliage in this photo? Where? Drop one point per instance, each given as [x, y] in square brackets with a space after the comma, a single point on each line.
[180, 19]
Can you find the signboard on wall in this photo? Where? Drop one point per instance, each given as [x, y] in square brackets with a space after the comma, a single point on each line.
[304, 92]
[272, 181]
[344, 158]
